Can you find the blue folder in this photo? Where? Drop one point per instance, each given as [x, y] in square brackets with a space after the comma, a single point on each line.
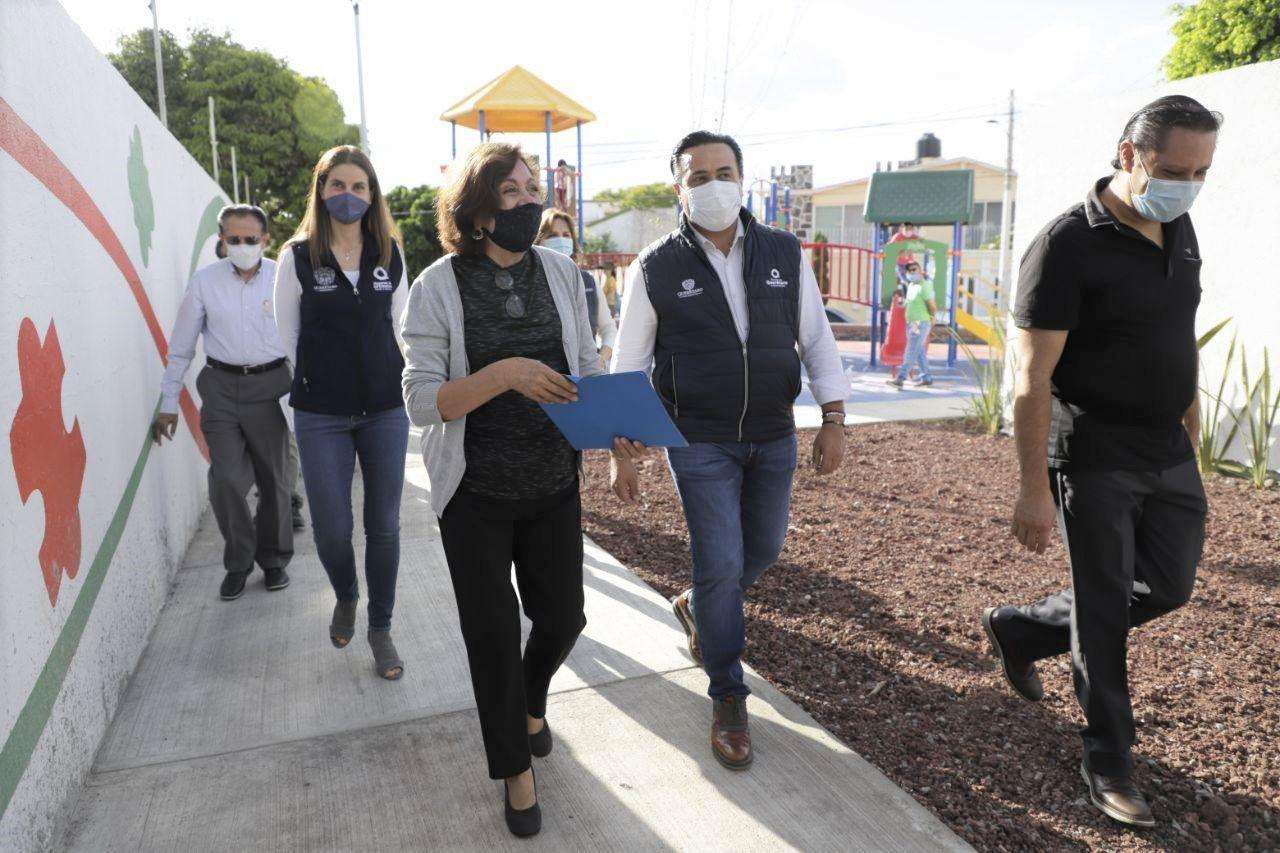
[615, 405]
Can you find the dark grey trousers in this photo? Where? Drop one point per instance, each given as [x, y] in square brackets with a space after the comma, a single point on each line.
[1134, 540]
[248, 440]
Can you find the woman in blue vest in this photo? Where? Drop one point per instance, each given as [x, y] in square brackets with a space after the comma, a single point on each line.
[340, 290]
[557, 233]
[489, 333]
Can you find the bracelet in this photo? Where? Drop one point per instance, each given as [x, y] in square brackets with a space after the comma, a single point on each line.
[836, 418]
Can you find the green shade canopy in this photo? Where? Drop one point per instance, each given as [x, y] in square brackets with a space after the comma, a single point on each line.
[934, 197]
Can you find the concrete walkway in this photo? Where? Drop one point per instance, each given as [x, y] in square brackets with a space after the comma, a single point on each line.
[872, 400]
[244, 729]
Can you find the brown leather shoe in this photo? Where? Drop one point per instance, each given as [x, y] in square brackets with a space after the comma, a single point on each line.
[684, 614]
[731, 733]
[1118, 798]
[1020, 674]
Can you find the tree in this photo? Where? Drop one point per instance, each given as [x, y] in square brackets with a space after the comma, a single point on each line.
[1214, 35]
[414, 209]
[278, 121]
[601, 245]
[644, 197]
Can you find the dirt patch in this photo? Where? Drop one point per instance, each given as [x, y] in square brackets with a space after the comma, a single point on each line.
[870, 621]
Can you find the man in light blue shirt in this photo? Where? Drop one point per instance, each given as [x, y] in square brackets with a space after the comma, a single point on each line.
[246, 374]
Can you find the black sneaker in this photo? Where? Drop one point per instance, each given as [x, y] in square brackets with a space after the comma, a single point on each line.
[233, 585]
[276, 579]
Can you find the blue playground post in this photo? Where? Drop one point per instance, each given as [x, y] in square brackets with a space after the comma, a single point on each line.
[773, 206]
[579, 180]
[550, 174]
[453, 132]
[787, 206]
[957, 244]
[877, 244]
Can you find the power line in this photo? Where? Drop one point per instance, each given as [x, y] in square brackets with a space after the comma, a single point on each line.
[788, 136]
[728, 45]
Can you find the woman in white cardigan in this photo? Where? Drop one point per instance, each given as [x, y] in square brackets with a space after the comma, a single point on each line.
[490, 332]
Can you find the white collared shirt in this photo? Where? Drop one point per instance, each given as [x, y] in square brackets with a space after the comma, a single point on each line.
[638, 326]
[237, 318]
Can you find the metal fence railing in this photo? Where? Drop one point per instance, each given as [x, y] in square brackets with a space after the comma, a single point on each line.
[843, 272]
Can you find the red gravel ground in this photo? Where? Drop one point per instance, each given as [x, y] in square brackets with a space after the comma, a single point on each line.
[871, 622]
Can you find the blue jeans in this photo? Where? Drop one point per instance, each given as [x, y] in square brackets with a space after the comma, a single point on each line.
[327, 448]
[737, 499]
[917, 353]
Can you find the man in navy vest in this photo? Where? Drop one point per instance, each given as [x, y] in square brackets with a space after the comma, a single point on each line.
[724, 310]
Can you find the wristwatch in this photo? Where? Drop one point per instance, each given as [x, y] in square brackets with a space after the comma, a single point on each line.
[836, 418]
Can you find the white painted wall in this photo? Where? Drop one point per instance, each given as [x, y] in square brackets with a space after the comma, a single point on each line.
[633, 230]
[53, 270]
[1061, 148]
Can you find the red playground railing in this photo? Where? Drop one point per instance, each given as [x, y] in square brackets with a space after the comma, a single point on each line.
[843, 272]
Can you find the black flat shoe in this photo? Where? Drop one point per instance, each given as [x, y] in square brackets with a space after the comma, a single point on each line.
[277, 579]
[1020, 674]
[233, 586]
[540, 743]
[523, 823]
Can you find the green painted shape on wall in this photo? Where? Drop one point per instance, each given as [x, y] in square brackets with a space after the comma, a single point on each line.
[144, 212]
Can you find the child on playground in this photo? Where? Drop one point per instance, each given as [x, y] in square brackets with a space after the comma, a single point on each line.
[920, 308]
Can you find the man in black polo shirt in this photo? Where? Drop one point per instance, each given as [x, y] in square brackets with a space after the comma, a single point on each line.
[1107, 369]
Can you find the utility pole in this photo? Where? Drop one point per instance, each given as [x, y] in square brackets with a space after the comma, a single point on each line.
[364, 129]
[213, 141]
[235, 177]
[248, 199]
[1006, 205]
[155, 34]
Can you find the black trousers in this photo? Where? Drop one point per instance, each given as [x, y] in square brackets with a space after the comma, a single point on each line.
[1134, 540]
[543, 538]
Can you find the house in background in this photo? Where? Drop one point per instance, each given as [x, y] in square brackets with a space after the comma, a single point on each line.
[632, 230]
[838, 208]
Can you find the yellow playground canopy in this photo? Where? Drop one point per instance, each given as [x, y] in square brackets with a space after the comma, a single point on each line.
[518, 101]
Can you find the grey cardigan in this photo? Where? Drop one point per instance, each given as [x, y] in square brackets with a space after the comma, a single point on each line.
[436, 352]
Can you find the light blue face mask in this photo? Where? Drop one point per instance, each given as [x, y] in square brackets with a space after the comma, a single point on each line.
[563, 245]
[913, 276]
[1164, 200]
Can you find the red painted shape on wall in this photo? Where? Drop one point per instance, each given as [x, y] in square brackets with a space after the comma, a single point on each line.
[46, 458]
[31, 153]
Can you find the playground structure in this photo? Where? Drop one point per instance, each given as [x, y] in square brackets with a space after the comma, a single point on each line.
[518, 101]
[922, 198]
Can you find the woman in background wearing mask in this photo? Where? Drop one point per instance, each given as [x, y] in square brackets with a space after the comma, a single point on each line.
[340, 290]
[558, 234]
[490, 331]
[921, 308]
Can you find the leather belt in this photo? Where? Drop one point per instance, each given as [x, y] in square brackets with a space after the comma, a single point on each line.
[245, 369]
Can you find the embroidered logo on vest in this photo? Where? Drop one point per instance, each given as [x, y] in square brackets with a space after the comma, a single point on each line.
[326, 280]
[381, 280]
[775, 279]
[690, 288]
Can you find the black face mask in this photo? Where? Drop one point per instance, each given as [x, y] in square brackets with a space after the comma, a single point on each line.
[517, 228]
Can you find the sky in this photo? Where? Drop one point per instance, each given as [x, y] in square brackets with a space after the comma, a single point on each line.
[836, 84]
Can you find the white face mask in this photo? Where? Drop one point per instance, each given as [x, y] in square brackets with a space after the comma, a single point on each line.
[563, 245]
[244, 256]
[715, 204]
